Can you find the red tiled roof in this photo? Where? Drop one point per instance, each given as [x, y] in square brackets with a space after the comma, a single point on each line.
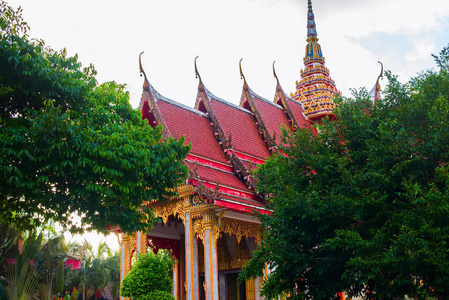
[246, 201]
[297, 111]
[254, 166]
[272, 115]
[194, 126]
[245, 135]
[213, 175]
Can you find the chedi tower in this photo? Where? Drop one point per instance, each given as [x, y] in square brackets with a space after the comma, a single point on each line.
[316, 89]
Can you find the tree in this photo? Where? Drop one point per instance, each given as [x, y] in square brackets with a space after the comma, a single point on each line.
[150, 278]
[362, 208]
[69, 145]
[112, 263]
[96, 275]
[100, 268]
[34, 265]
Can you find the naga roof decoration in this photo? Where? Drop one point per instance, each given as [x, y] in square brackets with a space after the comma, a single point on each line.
[268, 116]
[316, 89]
[375, 92]
[293, 110]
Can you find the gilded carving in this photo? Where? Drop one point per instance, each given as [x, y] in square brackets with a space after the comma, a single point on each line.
[124, 239]
[207, 193]
[196, 200]
[229, 226]
[241, 228]
[165, 210]
[223, 256]
[250, 289]
[184, 190]
[200, 257]
[131, 249]
[240, 256]
[132, 242]
[198, 229]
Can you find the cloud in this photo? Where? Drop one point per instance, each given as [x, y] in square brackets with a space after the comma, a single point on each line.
[421, 50]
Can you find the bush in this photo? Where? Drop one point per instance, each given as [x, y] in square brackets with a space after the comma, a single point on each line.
[156, 295]
[151, 274]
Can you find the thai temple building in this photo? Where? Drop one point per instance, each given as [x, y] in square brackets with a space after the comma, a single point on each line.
[210, 227]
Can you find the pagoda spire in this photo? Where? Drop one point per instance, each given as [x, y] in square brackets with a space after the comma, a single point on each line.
[316, 90]
[311, 26]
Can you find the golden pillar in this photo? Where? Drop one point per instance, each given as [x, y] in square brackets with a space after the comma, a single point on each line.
[210, 237]
[191, 283]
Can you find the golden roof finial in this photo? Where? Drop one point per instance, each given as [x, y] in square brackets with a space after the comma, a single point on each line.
[381, 75]
[375, 92]
[245, 85]
[278, 85]
[146, 84]
[197, 75]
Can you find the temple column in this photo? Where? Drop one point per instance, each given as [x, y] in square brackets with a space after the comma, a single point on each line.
[124, 258]
[182, 269]
[191, 255]
[210, 255]
[140, 242]
[250, 289]
[175, 291]
[257, 286]
[222, 287]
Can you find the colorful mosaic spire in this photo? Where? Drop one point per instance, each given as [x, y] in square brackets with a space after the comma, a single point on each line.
[316, 89]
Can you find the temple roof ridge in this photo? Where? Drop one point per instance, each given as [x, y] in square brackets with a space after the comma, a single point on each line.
[247, 88]
[210, 95]
[179, 104]
[264, 99]
[233, 105]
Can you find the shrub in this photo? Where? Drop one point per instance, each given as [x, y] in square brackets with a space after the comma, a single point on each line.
[156, 295]
[152, 273]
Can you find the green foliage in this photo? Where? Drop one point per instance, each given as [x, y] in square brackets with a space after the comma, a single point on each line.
[69, 145]
[99, 269]
[442, 59]
[156, 295]
[112, 264]
[38, 267]
[96, 275]
[151, 273]
[362, 208]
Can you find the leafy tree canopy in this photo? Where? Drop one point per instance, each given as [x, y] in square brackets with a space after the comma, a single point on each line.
[69, 145]
[362, 208]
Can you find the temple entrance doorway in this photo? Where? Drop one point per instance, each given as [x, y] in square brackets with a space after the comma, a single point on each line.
[236, 289]
[230, 287]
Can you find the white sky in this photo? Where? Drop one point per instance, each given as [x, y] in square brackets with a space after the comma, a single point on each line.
[354, 35]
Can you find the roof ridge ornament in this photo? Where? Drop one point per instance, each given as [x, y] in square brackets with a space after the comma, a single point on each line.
[197, 75]
[381, 75]
[278, 85]
[146, 84]
[375, 92]
[245, 84]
